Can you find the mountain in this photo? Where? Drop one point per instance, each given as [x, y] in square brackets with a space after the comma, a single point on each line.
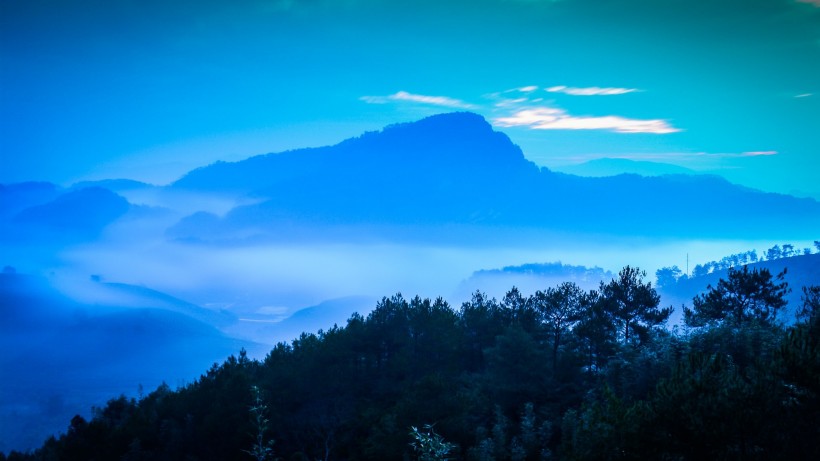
[614, 166]
[123, 295]
[114, 185]
[81, 213]
[307, 320]
[61, 355]
[452, 174]
[17, 197]
[411, 155]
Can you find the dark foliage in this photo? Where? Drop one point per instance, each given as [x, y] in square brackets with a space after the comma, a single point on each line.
[562, 374]
[744, 296]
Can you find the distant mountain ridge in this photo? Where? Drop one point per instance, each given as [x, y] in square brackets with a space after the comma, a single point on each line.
[42, 212]
[529, 278]
[602, 167]
[454, 170]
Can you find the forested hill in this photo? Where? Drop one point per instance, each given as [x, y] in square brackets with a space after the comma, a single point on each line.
[562, 374]
[799, 271]
[454, 169]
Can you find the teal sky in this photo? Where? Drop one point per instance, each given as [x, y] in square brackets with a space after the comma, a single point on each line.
[149, 89]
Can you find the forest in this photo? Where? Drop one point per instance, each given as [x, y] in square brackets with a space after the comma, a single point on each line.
[563, 374]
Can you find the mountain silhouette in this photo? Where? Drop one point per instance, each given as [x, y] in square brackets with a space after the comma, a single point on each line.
[615, 166]
[17, 197]
[454, 171]
[82, 212]
[65, 355]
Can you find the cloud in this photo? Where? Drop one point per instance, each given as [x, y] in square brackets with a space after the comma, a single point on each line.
[551, 118]
[502, 103]
[805, 95]
[404, 96]
[759, 153]
[812, 2]
[590, 91]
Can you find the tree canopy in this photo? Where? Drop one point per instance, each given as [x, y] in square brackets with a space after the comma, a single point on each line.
[559, 374]
[742, 297]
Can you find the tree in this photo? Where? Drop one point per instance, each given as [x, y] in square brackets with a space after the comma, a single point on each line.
[428, 445]
[744, 296]
[668, 276]
[633, 303]
[788, 250]
[560, 309]
[715, 411]
[596, 331]
[810, 311]
[519, 310]
[262, 449]
[480, 321]
[774, 253]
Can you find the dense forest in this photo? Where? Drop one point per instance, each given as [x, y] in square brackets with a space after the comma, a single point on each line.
[562, 374]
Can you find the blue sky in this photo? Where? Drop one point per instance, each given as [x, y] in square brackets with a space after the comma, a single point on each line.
[149, 89]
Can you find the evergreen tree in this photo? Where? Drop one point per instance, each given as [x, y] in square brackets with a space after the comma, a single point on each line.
[743, 296]
[560, 309]
[633, 304]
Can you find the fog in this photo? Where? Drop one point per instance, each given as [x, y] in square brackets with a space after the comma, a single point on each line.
[128, 305]
[273, 279]
[280, 278]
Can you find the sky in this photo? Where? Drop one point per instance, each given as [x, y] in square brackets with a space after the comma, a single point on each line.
[148, 90]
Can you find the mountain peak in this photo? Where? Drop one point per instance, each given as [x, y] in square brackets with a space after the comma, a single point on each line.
[453, 122]
[456, 139]
[444, 144]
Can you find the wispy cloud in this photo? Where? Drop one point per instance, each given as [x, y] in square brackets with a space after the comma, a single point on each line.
[710, 155]
[813, 2]
[552, 118]
[506, 102]
[524, 111]
[404, 96]
[805, 95]
[759, 153]
[590, 91]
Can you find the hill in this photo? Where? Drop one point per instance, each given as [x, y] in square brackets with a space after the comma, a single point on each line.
[17, 197]
[61, 355]
[322, 316]
[801, 271]
[531, 277]
[495, 380]
[79, 214]
[615, 166]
